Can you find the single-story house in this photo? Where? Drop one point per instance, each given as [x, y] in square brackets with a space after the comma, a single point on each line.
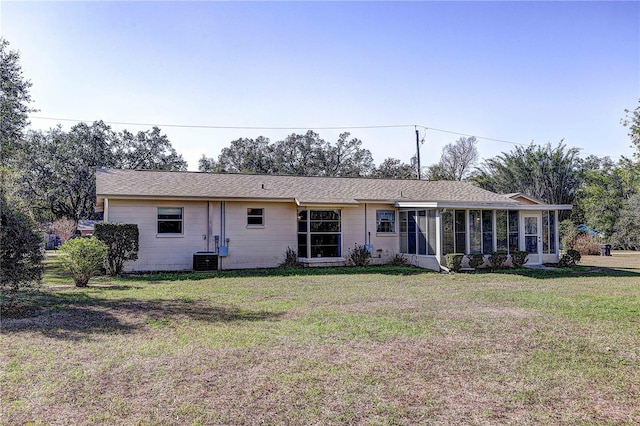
[193, 220]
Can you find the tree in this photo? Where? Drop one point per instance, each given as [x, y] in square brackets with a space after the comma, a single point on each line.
[21, 251]
[146, 150]
[299, 155]
[58, 168]
[208, 164]
[247, 156]
[392, 168]
[14, 100]
[606, 186]
[456, 161]
[346, 158]
[552, 175]
[632, 121]
[627, 233]
[20, 240]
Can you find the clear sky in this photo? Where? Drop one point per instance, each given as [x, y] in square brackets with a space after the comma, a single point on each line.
[515, 71]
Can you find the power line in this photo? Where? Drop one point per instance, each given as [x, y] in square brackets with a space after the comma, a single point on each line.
[196, 126]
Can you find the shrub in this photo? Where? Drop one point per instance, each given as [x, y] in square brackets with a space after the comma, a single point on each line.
[566, 261]
[476, 260]
[497, 259]
[122, 242]
[568, 233]
[574, 255]
[290, 259]
[21, 248]
[519, 258]
[399, 259]
[454, 261]
[83, 258]
[359, 255]
[586, 244]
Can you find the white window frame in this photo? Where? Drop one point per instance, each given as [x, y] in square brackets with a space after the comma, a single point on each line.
[261, 216]
[380, 220]
[180, 220]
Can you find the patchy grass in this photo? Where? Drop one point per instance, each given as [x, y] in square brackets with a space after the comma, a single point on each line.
[372, 346]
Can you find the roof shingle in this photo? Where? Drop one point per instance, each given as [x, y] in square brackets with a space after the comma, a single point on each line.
[306, 190]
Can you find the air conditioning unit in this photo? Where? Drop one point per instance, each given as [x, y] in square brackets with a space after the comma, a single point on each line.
[205, 261]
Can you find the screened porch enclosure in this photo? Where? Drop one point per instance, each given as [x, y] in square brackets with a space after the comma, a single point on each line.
[483, 231]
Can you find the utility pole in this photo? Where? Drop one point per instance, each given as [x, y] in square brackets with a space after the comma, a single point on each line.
[418, 151]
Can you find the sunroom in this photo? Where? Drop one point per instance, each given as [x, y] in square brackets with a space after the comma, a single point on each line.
[429, 233]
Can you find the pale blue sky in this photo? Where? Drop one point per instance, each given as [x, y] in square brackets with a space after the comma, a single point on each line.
[517, 71]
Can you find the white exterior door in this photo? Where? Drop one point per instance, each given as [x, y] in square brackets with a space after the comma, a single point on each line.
[532, 237]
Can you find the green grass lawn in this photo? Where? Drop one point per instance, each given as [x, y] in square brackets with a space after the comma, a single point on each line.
[373, 346]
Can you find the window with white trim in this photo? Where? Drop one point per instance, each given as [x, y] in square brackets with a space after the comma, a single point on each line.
[385, 221]
[170, 220]
[319, 233]
[255, 217]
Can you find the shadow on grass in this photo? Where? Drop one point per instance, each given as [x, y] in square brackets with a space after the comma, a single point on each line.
[275, 272]
[77, 316]
[574, 272]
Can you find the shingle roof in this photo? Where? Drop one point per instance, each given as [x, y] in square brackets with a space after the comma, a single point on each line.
[305, 190]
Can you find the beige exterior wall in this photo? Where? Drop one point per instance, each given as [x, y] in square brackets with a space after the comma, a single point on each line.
[258, 246]
[162, 252]
[249, 246]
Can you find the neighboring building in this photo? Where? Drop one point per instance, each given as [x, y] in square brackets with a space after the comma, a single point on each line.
[85, 227]
[249, 221]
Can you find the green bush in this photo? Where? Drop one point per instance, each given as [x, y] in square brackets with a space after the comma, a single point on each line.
[121, 240]
[454, 261]
[83, 258]
[566, 261]
[476, 260]
[359, 255]
[519, 258]
[574, 255]
[398, 259]
[21, 248]
[290, 259]
[497, 259]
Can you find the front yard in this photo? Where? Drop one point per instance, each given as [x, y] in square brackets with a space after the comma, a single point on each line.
[386, 346]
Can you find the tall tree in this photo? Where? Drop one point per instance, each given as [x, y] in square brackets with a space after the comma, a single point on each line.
[14, 101]
[58, 168]
[147, 150]
[346, 158]
[299, 155]
[550, 174]
[632, 121]
[20, 240]
[247, 156]
[456, 161]
[392, 168]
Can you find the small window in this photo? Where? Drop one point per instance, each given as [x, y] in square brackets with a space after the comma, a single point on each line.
[385, 221]
[170, 220]
[255, 217]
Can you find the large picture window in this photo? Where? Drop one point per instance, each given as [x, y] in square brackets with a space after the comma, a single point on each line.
[385, 221]
[319, 233]
[170, 220]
